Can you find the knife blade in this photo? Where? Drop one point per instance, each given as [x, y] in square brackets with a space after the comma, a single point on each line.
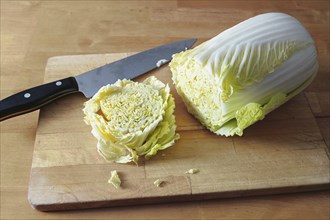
[90, 82]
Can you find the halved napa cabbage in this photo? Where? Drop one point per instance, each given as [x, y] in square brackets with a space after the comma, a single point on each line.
[234, 79]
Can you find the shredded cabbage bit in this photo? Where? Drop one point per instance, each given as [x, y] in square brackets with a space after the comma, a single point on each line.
[115, 179]
[236, 78]
[131, 119]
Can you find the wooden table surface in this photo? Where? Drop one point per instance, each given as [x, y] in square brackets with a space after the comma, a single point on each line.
[33, 31]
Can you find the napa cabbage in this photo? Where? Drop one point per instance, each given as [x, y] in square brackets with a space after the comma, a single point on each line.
[236, 78]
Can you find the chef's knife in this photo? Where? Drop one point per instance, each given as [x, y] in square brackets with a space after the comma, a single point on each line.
[90, 82]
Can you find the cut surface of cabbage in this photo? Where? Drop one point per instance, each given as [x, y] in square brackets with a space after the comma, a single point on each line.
[234, 79]
[130, 119]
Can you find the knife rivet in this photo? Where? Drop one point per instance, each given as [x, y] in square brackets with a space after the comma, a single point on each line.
[27, 95]
[58, 83]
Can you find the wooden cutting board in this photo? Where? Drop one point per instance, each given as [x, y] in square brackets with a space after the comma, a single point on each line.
[283, 153]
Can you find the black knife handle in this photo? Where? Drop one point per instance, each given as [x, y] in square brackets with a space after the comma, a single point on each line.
[34, 98]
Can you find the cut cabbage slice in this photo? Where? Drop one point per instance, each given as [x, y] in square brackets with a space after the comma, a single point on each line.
[131, 119]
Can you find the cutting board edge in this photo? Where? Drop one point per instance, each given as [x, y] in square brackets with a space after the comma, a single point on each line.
[176, 198]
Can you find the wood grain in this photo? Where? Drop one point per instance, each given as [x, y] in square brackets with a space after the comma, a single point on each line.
[33, 31]
[283, 153]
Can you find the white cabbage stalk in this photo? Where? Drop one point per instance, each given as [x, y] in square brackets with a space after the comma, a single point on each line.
[131, 119]
[234, 79]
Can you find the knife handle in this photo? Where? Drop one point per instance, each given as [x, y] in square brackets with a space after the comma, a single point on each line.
[36, 97]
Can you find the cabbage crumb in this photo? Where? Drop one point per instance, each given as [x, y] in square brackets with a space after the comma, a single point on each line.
[158, 182]
[131, 119]
[192, 171]
[161, 62]
[114, 179]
